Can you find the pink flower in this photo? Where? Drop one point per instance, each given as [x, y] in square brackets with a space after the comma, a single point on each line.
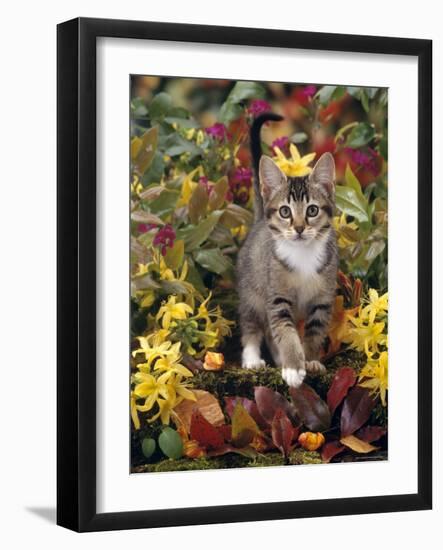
[164, 238]
[218, 131]
[144, 228]
[366, 160]
[309, 91]
[242, 175]
[282, 143]
[259, 106]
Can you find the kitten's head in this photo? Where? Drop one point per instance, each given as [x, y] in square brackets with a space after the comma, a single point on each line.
[298, 209]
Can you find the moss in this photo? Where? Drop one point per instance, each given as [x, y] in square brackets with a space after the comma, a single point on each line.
[230, 460]
[234, 380]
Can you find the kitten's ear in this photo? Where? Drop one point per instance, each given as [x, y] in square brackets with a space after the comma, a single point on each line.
[271, 177]
[323, 173]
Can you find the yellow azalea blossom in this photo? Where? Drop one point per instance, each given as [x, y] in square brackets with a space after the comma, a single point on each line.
[136, 186]
[340, 223]
[365, 336]
[189, 134]
[295, 166]
[170, 363]
[148, 298]
[167, 391]
[375, 376]
[200, 137]
[240, 232]
[171, 310]
[378, 305]
[188, 186]
[157, 350]
[134, 413]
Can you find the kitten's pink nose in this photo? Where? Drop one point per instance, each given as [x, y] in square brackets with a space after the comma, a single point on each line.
[299, 229]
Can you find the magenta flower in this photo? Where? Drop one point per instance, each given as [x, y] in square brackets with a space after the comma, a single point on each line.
[243, 175]
[218, 131]
[164, 238]
[282, 143]
[309, 91]
[366, 160]
[144, 228]
[259, 106]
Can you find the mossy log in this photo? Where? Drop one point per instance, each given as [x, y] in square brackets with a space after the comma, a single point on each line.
[231, 460]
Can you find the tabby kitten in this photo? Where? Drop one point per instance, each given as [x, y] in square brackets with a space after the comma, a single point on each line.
[287, 267]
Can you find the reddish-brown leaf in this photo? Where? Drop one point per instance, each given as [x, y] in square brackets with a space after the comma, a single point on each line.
[205, 433]
[331, 449]
[371, 433]
[343, 380]
[249, 405]
[269, 401]
[282, 432]
[357, 408]
[311, 409]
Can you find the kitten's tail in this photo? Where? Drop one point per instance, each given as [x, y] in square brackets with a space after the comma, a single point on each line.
[256, 154]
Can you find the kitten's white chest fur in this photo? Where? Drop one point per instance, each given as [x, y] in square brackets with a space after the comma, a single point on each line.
[304, 259]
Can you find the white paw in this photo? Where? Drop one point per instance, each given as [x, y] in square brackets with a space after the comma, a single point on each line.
[315, 367]
[254, 365]
[293, 377]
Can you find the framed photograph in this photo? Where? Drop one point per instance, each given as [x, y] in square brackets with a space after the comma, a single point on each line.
[244, 246]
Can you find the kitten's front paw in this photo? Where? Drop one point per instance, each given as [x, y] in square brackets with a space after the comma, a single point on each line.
[253, 365]
[292, 376]
[314, 367]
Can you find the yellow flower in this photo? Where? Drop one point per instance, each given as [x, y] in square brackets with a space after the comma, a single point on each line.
[240, 232]
[171, 310]
[377, 305]
[365, 336]
[200, 137]
[188, 186]
[376, 374]
[340, 223]
[134, 413]
[296, 165]
[136, 186]
[158, 349]
[167, 392]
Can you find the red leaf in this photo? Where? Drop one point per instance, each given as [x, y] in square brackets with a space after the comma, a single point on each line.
[225, 431]
[204, 432]
[269, 401]
[331, 449]
[249, 405]
[225, 449]
[312, 410]
[371, 433]
[356, 410]
[282, 432]
[343, 380]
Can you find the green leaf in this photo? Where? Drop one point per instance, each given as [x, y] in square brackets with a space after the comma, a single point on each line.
[181, 122]
[213, 260]
[160, 106]
[231, 108]
[349, 202]
[246, 90]
[195, 235]
[324, 94]
[362, 134]
[229, 111]
[165, 203]
[148, 447]
[353, 182]
[155, 171]
[170, 443]
[235, 215]
[174, 256]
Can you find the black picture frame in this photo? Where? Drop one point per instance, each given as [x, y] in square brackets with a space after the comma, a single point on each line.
[76, 264]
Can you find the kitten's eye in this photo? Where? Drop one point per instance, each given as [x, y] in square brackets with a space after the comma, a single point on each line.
[312, 210]
[285, 212]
